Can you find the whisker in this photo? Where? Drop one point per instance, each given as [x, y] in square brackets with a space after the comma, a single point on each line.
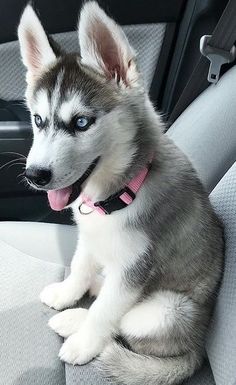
[16, 164]
[10, 162]
[21, 174]
[23, 181]
[13, 153]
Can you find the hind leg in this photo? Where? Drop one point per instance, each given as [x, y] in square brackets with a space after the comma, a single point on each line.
[153, 316]
[161, 324]
[161, 332]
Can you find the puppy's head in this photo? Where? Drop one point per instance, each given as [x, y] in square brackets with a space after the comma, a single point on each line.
[83, 128]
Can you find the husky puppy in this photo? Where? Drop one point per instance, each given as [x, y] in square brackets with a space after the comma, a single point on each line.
[160, 249]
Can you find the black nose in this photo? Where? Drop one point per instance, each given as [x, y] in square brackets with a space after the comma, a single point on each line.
[38, 176]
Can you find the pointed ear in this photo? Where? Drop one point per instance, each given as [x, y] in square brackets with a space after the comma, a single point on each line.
[36, 51]
[104, 46]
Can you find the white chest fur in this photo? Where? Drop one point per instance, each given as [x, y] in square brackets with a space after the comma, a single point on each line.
[109, 240]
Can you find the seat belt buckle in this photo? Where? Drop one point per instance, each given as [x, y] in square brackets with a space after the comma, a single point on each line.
[217, 57]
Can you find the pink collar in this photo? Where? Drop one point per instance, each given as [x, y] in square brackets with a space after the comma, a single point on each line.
[119, 200]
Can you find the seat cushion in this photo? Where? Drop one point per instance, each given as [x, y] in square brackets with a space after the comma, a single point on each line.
[206, 130]
[221, 344]
[28, 349]
[33, 255]
[49, 242]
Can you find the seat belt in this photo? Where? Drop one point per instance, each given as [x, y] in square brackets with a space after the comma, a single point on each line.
[219, 49]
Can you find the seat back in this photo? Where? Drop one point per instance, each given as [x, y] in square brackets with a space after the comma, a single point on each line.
[206, 131]
[221, 343]
[145, 38]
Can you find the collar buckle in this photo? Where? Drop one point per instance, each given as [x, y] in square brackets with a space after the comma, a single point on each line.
[116, 201]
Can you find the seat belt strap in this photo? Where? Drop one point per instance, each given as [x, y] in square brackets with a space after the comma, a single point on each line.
[219, 49]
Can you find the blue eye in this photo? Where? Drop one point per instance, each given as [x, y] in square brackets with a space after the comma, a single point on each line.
[82, 123]
[38, 121]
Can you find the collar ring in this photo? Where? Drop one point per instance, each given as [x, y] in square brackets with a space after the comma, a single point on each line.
[82, 212]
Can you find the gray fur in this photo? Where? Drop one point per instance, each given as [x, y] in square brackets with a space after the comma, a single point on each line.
[185, 238]
[185, 256]
[127, 367]
[75, 79]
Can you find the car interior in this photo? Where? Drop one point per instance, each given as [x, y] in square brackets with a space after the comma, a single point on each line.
[36, 244]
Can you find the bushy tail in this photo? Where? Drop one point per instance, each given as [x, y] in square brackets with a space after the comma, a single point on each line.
[129, 368]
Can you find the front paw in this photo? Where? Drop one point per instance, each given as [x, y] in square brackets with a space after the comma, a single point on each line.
[68, 321]
[81, 347]
[58, 295]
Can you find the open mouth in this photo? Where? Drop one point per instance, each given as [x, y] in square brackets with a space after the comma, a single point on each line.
[59, 199]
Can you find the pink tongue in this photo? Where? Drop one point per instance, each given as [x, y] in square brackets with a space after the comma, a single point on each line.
[58, 199]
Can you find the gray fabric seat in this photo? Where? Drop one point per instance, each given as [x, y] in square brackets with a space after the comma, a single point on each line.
[146, 39]
[28, 349]
[33, 255]
[206, 130]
